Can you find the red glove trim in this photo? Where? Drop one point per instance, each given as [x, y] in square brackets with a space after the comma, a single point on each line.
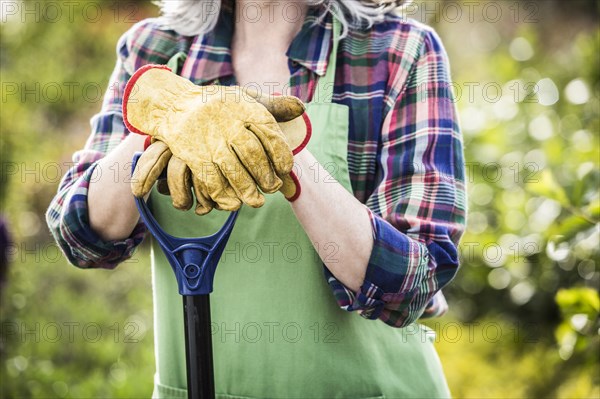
[147, 142]
[308, 134]
[308, 131]
[129, 88]
[298, 188]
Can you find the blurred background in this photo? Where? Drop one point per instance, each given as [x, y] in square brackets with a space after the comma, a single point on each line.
[524, 307]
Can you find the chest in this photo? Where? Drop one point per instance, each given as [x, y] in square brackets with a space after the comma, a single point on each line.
[269, 72]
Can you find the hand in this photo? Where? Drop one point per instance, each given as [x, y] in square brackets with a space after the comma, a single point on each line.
[226, 136]
[158, 156]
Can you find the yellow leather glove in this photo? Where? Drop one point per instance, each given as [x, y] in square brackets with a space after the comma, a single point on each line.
[228, 139]
[150, 166]
[179, 178]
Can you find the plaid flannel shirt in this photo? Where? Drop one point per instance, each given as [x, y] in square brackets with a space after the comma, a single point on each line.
[405, 151]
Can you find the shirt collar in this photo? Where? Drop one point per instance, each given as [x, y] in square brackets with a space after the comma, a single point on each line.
[210, 54]
[312, 44]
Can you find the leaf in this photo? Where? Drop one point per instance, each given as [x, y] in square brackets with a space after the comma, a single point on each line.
[578, 300]
[569, 228]
[593, 209]
[548, 187]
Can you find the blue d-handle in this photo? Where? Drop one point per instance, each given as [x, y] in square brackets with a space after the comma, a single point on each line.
[194, 260]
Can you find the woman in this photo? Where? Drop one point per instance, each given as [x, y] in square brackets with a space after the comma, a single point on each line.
[381, 210]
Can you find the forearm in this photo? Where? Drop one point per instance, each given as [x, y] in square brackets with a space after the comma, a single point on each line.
[112, 211]
[334, 219]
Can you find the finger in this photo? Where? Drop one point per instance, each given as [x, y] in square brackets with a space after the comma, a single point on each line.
[218, 188]
[283, 108]
[289, 187]
[275, 145]
[227, 199]
[149, 167]
[241, 182]
[253, 158]
[203, 202]
[179, 182]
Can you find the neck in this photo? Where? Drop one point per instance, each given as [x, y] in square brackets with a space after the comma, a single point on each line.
[267, 25]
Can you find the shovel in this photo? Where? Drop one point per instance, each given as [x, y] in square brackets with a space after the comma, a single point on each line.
[194, 261]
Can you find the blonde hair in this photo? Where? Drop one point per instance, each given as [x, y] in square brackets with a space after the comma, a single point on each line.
[196, 17]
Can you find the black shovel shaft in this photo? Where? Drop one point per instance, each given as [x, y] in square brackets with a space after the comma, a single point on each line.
[198, 347]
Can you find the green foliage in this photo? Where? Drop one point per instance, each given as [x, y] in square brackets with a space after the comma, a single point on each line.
[578, 333]
[54, 74]
[72, 333]
[490, 358]
[533, 172]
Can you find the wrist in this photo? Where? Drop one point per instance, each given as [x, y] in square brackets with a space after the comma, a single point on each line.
[303, 158]
[303, 162]
[136, 142]
[292, 189]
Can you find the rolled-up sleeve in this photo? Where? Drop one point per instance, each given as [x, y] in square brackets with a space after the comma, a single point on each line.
[68, 220]
[418, 209]
[67, 215]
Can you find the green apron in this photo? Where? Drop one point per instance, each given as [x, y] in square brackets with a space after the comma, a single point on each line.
[277, 329]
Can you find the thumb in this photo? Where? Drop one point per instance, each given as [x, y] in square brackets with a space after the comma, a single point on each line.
[149, 167]
[283, 108]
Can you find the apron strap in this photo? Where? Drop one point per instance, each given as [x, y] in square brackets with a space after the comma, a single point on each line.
[176, 62]
[324, 89]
